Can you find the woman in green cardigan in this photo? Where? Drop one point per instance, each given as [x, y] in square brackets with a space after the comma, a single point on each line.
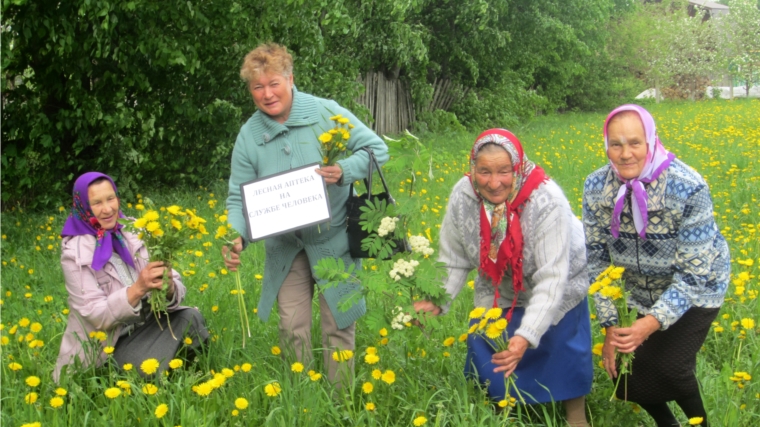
[282, 135]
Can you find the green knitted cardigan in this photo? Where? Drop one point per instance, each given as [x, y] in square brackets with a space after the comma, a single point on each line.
[265, 147]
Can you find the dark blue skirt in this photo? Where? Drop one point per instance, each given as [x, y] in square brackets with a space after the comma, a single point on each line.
[560, 368]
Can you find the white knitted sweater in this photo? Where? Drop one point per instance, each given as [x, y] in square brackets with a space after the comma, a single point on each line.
[554, 257]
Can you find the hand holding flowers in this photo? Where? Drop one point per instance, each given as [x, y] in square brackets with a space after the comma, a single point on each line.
[164, 235]
[624, 338]
[233, 245]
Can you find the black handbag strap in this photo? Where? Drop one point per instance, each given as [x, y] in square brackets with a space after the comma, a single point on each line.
[368, 181]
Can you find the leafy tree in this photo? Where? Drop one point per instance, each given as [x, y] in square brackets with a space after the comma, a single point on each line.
[741, 41]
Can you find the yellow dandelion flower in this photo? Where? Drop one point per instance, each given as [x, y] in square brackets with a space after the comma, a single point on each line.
[477, 313]
[24, 322]
[245, 367]
[462, 338]
[325, 138]
[140, 223]
[108, 349]
[149, 366]
[482, 324]
[503, 403]
[342, 355]
[56, 402]
[315, 376]
[161, 410]
[276, 350]
[176, 224]
[420, 421]
[203, 389]
[272, 389]
[176, 363]
[493, 332]
[383, 332]
[370, 406]
[36, 327]
[241, 403]
[748, 323]
[113, 392]
[448, 342]
[61, 391]
[343, 120]
[32, 381]
[297, 367]
[472, 329]
[188, 341]
[174, 210]
[389, 377]
[597, 350]
[151, 215]
[501, 323]
[31, 398]
[695, 421]
[149, 389]
[367, 387]
[377, 374]
[371, 359]
[493, 313]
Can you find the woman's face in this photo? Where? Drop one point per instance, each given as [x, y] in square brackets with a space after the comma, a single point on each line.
[494, 175]
[273, 95]
[104, 204]
[627, 145]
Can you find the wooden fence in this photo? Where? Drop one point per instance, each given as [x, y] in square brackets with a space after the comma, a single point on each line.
[390, 101]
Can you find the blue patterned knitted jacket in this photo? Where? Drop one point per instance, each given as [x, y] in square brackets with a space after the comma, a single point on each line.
[684, 261]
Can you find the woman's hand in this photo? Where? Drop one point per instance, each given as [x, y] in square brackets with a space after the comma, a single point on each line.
[427, 307]
[628, 339]
[423, 308]
[150, 277]
[331, 174]
[232, 257]
[509, 358]
[608, 353]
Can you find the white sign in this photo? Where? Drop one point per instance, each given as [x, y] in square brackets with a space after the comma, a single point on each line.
[285, 202]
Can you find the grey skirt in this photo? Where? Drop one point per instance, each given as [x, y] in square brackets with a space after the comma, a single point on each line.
[151, 341]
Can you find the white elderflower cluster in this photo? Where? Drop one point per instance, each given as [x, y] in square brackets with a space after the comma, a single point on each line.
[404, 268]
[401, 319]
[421, 245]
[387, 225]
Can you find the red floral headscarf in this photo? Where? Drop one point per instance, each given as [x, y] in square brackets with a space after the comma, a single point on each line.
[527, 177]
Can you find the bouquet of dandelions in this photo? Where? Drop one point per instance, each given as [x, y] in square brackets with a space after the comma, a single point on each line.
[164, 234]
[333, 142]
[227, 234]
[609, 284]
[491, 326]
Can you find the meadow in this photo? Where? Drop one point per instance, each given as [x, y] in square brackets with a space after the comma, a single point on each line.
[418, 379]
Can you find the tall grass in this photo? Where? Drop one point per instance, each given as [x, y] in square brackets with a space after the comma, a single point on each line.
[719, 139]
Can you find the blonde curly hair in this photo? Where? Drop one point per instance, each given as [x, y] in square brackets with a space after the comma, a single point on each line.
[266, 58]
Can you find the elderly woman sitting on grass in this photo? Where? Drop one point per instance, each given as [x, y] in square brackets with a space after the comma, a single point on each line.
[107, 277]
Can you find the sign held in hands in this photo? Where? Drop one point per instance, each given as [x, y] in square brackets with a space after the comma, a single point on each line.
[285, 202]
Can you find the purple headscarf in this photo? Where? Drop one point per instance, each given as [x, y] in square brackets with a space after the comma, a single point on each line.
[81, 221]
[658, 159]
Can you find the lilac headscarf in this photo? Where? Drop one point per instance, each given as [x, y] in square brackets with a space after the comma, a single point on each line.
[82, 221]
[658, 159]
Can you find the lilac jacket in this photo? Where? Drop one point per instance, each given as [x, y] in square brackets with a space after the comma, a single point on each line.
[98, 300]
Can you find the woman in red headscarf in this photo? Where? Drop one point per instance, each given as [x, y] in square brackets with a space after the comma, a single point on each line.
[513, 224]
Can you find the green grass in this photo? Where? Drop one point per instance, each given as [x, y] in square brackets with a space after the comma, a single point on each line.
[719, 139]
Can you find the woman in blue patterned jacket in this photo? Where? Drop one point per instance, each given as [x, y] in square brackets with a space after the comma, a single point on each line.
[652, 214]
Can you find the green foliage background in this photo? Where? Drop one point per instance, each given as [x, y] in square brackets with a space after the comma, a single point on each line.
[149, 91]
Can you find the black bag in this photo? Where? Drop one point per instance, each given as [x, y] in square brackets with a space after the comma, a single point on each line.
[353, 212]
